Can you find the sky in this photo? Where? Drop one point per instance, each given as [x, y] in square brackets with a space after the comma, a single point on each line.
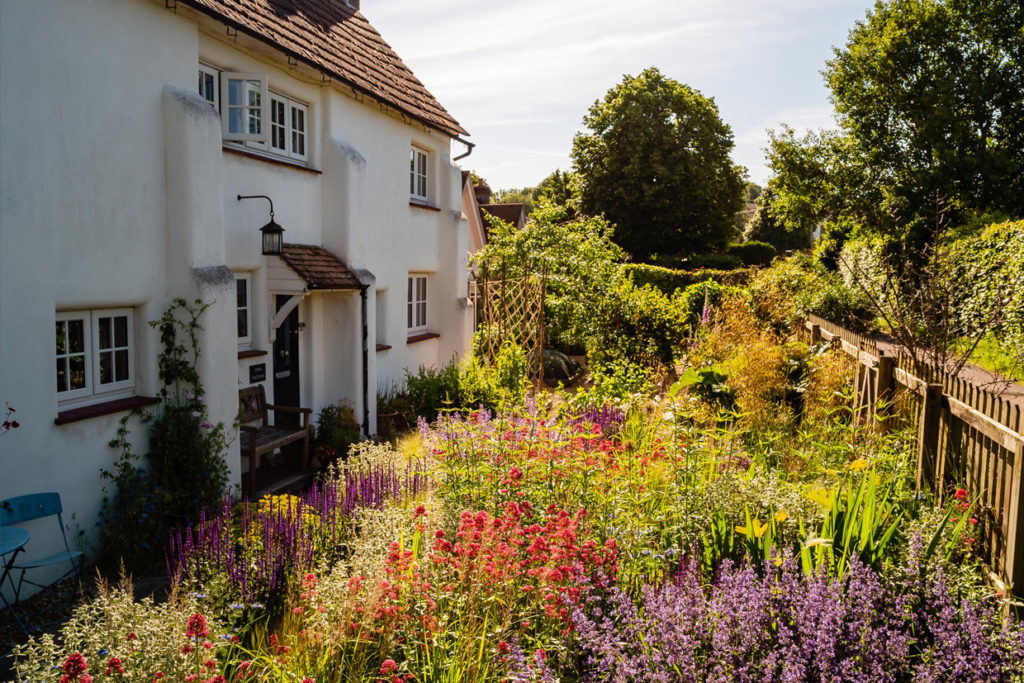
[520, 75]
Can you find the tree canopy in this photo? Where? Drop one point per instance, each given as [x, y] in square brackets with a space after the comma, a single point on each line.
[930, 99]
[655, 162]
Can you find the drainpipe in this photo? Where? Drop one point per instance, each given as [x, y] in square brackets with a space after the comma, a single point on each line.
[469, 149]
[366, 367]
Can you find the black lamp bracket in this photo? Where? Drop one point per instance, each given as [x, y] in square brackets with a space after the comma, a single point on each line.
[259, 196]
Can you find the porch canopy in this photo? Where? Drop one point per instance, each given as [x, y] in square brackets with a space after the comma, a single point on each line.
[309, 268]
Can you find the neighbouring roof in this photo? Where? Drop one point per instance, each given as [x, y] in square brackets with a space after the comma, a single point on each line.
[338, 40]
[510, 213]
[318, 267]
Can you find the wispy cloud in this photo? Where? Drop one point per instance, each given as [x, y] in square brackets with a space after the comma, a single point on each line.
[520, 75]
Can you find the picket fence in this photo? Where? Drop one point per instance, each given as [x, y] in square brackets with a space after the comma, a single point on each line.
[967, 437]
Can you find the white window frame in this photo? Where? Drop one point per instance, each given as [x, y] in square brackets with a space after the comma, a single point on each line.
[94, 390]
[416, 300]
[251, 83]
[213, 73]
[290, 109]
[244, 341]
[419, 174]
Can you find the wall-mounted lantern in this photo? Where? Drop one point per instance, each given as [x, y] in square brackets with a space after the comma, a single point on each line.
[272, 234]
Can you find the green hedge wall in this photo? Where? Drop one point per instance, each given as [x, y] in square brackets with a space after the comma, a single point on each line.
[668, 280]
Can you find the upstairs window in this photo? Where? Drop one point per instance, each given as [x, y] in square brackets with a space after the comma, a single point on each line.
[208, 82]
[418, 175]
[244, 109]
[287, 127]
[95, 354]
[416, 304]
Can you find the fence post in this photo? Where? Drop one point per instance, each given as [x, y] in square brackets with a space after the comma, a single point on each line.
[928, 434]
[883, 391]
[815, 332]
[1014, 566]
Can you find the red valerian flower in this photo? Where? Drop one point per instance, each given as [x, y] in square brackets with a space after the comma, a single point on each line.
[197, 627]
[388, 666]
[960, 494]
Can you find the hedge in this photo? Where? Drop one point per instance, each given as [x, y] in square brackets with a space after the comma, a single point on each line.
[668, 280]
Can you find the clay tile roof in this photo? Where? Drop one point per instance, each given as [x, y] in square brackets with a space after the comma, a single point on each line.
[318, 267]
[338, 40]
[510, 213]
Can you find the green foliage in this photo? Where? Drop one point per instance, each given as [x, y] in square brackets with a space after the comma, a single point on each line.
[752, 252]
[184, 470]
[699, 299]
[641, 325]
[578, 259]
[337, 428]
[765, 226]
[619, 379]
[655, 162]
[862, 524]
[930, 93]
[798, 285]
[716, 261]
[669, 280]
[471, 385]
[988, 271]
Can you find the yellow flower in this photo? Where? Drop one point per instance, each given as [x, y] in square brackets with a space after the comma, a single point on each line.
[781, 516]
[858, 465]
[822, 497]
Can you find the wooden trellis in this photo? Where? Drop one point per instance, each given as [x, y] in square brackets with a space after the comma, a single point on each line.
[510, 308]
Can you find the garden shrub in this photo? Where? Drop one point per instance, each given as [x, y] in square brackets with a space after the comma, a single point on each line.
[793, 287]
[432, 390]
[184, 469]
[115, 637]
[753, 253]
[335, 431]
[696, 302]
[716, 261]
[669, 280]
[988, 271]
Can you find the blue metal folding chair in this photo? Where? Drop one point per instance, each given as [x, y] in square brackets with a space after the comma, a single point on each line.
[37, 506]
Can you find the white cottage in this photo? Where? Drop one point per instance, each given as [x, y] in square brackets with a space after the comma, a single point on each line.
[128, 130]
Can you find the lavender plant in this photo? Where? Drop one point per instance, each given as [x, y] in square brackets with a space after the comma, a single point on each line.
[788, 626]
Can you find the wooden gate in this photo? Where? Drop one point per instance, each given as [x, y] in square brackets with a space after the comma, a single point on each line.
[509, 309]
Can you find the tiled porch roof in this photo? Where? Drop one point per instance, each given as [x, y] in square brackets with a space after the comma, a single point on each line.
[318, 267]
[337, 40]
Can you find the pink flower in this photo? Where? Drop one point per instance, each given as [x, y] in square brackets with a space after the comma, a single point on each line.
[207, 425]
[420, 511]
[197, 627]
[960, 494]
[388, 666]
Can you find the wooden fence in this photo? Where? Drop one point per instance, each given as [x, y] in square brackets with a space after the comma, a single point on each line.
[967, 437]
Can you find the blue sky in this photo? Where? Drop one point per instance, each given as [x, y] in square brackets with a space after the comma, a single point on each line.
[520, 75]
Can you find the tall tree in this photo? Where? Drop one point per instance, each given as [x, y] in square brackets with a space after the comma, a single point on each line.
[931, 94]
[656, 163]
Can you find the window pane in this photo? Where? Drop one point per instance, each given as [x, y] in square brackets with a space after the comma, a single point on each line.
[121, 365]
[235, 120]
[409, 295]
[104, 331]
[243, 323]
[62, 374]
[236, 90]
[106, 367]
[76, 336]
[76, 376]
[254, 121]
[409, 307]
[421, 289]
[62, 343]
[252, 89]
[121, 331]
[421, 314]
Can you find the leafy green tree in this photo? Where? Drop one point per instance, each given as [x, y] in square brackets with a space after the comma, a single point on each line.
[577, 256]
[930, 94]
[526, 196]
[655, 162]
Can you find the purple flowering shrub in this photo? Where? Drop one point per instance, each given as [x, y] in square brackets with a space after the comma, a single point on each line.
[256, 548]
[789, 626]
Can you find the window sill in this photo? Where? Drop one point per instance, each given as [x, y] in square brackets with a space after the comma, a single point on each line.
[279, 161]
[383, 347]
[250, 353]
[423, 205]
[106, 408]
[421, 337]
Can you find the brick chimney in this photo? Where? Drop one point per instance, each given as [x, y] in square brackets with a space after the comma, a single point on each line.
[482, 192]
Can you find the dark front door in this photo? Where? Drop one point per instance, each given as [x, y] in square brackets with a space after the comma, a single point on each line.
[286, 365]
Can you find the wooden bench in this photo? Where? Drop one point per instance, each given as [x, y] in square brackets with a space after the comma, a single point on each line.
[257, 437]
